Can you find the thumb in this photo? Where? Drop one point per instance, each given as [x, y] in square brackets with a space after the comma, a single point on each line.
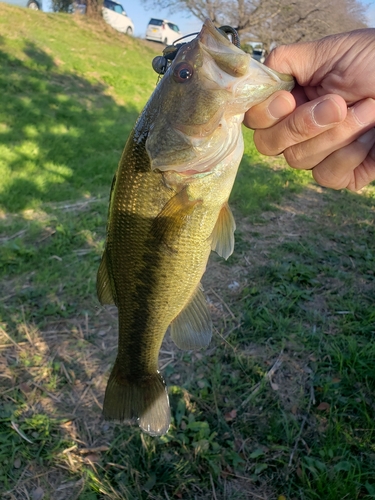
[299, 60]
[340, 64]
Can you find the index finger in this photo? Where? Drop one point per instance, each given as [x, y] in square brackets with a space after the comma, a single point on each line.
[267, 113]
[305, 122]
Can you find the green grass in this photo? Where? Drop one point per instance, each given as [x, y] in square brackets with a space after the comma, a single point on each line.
[70, 93]
[255, 190]
[281, 404]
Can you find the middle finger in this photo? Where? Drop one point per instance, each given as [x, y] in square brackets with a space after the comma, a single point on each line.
[359, 119]
[307, 121]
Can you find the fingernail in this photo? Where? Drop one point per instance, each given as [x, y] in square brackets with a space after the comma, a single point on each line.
[326, 112]
[368, 137]
[279, 107]
[364, 111]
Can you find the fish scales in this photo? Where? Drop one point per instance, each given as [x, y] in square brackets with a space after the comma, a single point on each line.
[168, 210]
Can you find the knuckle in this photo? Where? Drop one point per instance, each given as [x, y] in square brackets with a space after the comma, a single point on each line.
[252, 118]
[362, 175]
[321, 179]
[327, 178]
[294, 157]
[263, 143]
[297, 129]
[277, 54]
[286, 136]
[257, 117]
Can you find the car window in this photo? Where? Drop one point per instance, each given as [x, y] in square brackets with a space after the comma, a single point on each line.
[173, 27]
[156, 22]
[113, 6]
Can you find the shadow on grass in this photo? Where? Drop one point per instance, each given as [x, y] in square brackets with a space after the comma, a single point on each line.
[60, 136]
[259, 186]
[262, 185]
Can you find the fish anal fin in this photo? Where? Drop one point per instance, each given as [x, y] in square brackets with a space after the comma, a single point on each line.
[169, 223]
[192, 328]
[103, 283]
[223, 234]
[138, 399]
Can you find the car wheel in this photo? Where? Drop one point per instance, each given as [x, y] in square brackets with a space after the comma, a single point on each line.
[33, 5]
[165, 41]
[129, 30]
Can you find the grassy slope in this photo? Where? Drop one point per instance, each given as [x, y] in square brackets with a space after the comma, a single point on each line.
[296, 298]
[79, 88]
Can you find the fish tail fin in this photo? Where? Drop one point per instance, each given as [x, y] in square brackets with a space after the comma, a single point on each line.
[141, 399]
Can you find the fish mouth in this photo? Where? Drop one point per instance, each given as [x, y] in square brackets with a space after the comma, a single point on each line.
[211, 36]
[198, 132]
[236, 63]
[227, 56]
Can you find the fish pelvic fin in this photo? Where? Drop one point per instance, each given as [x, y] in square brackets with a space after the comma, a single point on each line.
[223, 234]
[103, 283]
[192, 328]
[138, 399]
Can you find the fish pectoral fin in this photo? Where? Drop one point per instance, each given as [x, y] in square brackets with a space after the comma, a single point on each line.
[141, 399]
[169, 223]
[223, 234]
[103, 283]
[192, 328]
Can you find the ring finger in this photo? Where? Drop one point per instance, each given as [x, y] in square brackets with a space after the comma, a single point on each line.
[349, 167]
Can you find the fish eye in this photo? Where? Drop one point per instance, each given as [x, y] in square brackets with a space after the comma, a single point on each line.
[182, 72]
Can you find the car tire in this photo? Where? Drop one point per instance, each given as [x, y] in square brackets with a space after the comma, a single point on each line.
[129, 31]
[33, 5]
[165, 41]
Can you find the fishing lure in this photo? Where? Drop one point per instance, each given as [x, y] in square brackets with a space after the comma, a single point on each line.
[161, 64]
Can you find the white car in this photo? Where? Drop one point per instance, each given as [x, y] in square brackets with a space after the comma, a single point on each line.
[115, 15]
[162, 30]
[259, 55]
[31, 4]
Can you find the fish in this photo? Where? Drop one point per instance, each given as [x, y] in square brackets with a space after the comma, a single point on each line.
[169, 209]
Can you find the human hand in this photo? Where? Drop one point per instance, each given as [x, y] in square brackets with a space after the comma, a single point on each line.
[313, 126]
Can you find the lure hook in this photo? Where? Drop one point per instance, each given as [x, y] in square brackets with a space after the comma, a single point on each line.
[160, 64]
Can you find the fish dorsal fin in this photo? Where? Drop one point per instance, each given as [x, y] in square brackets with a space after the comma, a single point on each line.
[223, 233]
[192, 328]
[103, 283]
[169, 223]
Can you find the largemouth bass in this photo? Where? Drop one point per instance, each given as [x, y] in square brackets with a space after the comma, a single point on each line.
[168, 210]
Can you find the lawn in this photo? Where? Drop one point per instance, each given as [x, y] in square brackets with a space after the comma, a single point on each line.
[280, 406]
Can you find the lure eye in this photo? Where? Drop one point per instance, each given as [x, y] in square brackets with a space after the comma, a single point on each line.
[182, 72]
